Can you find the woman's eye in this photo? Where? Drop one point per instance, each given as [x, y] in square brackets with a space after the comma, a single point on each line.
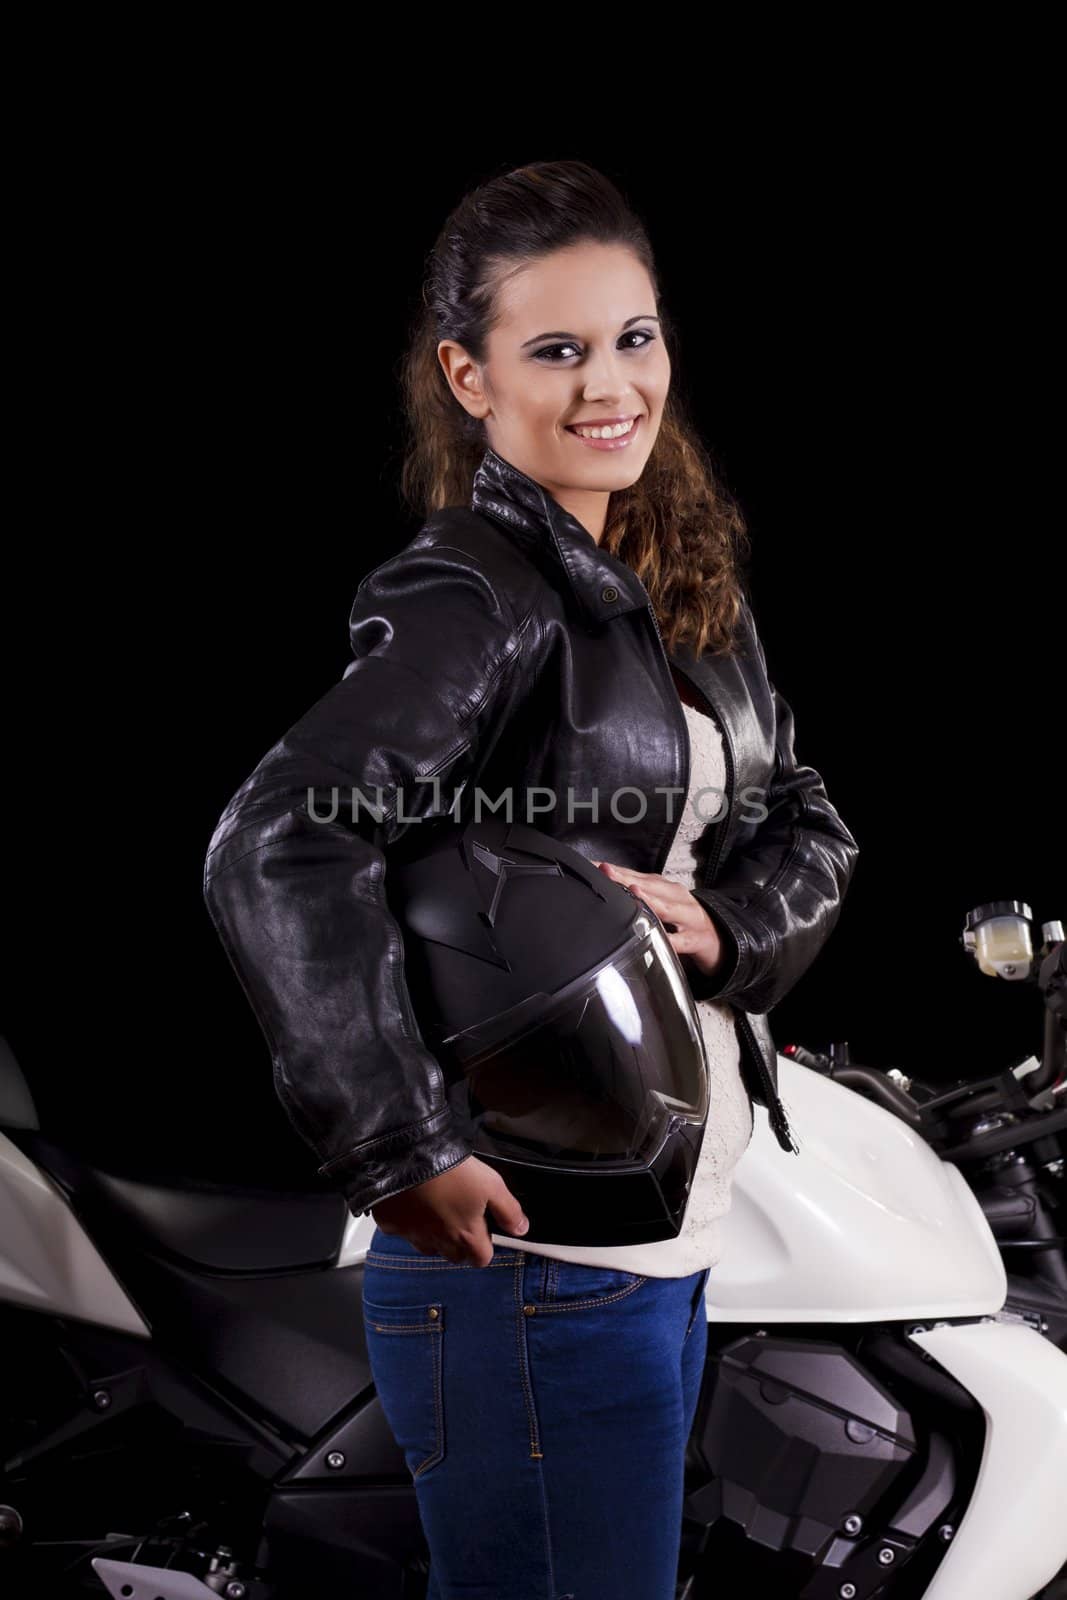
[551, 349]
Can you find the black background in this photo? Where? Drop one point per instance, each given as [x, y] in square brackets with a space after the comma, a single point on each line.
[863, 328]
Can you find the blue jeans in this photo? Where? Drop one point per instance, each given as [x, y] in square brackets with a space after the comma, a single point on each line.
[543, 1409]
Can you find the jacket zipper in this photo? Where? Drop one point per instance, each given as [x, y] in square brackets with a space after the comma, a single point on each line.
[775, 1110]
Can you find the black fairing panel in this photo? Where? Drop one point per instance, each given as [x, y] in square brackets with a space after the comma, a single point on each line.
[262, 1313]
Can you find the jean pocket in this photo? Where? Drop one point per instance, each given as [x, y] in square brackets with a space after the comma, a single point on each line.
[404, 1343]
[574, 1286]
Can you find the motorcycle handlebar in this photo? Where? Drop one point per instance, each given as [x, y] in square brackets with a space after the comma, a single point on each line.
[883, 1089]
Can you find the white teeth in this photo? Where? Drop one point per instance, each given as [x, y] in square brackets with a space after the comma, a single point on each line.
[606, 433]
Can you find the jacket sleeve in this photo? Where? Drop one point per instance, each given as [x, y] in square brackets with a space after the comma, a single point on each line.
[295, 874]
[779, 895]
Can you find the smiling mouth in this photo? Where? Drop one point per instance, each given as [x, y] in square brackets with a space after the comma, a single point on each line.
[612, 442]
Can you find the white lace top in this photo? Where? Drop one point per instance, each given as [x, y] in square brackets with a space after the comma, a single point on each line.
[729, 1124]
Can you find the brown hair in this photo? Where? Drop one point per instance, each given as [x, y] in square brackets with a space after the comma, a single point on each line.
[676, 527]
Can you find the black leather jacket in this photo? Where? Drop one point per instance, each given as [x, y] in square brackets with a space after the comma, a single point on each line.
[500, 649]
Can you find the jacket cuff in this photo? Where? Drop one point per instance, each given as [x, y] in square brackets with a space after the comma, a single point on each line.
[387, 1165]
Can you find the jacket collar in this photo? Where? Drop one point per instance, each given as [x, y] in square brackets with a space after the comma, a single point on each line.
[603, 586]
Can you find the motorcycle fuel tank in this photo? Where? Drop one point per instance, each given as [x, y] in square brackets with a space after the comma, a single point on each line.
[867, 1223]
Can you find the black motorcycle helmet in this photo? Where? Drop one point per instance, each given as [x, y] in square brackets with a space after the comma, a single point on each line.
[564, 1023]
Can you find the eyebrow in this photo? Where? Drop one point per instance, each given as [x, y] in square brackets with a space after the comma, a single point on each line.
[647, 317]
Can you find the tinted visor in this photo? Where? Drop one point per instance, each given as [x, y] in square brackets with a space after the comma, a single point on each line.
[598, 1074]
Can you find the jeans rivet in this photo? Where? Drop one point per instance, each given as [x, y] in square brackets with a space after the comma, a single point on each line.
[528, 1311]
[433, 1312]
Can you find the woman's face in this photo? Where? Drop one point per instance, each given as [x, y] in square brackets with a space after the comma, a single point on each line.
[576, 340]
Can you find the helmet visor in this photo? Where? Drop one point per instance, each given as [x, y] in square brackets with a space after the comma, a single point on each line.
[598, 1074]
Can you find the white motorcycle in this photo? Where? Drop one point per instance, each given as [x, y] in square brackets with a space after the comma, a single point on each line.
[884, 1411]
[188, 1408]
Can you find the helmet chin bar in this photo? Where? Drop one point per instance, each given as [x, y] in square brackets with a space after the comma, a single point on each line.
[598, 1206]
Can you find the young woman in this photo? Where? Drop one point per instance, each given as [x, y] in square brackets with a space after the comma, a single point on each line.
[569, 621]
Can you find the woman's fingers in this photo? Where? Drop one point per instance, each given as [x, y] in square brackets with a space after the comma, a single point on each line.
[653, 886]
[689, 928]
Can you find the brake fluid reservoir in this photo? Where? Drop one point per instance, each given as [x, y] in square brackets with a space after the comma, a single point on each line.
[999, 935]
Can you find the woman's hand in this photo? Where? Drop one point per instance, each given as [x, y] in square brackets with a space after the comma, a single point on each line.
[446, 1215]
[695, 933]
